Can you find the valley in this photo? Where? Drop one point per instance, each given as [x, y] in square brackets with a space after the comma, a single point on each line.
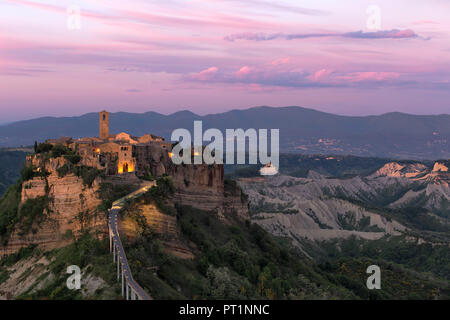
[306, 233]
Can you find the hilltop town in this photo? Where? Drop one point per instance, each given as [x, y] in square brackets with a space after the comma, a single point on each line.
[65, 180]
[116, 153]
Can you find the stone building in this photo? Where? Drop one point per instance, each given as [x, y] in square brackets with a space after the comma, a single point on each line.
[104, 125]
[120, 153]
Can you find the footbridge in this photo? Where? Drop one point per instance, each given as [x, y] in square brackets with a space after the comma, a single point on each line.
[131, 290]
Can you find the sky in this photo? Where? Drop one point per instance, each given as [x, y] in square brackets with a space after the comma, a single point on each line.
[64, 58]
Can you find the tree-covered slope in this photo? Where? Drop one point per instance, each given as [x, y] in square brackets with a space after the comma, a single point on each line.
[11, 164]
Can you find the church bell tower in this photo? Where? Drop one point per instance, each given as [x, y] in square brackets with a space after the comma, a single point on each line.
[104, 125]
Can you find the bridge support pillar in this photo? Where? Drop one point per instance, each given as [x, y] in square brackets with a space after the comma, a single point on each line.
[118, 268]
[123, 288]
[128, 295]
[114, 253]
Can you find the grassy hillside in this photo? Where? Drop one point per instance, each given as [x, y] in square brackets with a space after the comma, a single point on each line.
[421, 257]
[44, 276]
[233, 261]
[241, 261]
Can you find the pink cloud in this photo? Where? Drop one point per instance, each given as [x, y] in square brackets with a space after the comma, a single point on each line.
[403, 34]
[205, 75]
[382, 34]
[43, 6]
[218, 20]
[268, 75]
[252, 87]
[214, 20]
[369, 76]
[281, 61]
[58, 9]
[319, 75]
[243, 72]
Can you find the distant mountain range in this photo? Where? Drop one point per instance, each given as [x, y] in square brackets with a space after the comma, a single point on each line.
[302, 130]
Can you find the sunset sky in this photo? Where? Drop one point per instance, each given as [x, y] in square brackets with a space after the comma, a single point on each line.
[210, 56]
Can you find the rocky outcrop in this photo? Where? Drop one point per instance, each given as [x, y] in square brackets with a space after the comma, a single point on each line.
[394, 169]
[72, 207]
[22, 275]
[29, 275]
[204, 187]
[440, 167]
[415, 172]
[424, 185]
[200, 186]
[160, 223]
[203, 178]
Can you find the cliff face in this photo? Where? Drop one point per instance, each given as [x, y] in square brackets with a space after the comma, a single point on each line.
[72, 207]
[203, 187]
[394, 169]
[433, 192]
[439, 174]
[164, 225]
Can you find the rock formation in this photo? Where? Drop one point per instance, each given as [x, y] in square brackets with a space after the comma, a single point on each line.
[204, 187]
[160, 223]
[72, 207]
[320, 207]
